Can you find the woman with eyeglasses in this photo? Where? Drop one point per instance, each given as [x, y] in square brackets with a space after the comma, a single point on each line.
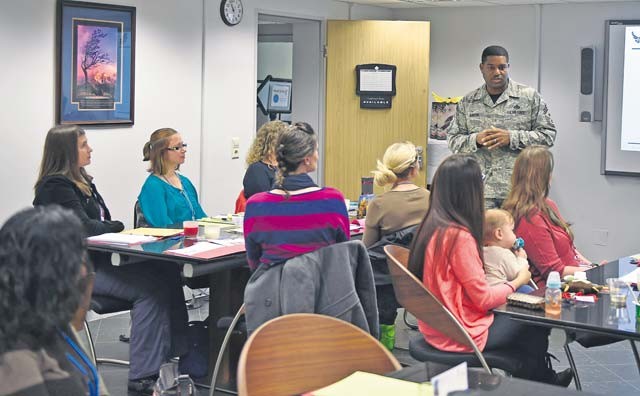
[297, 216]
[446, 254]
[158, 316]
[167, 197]
[390, 215]
[43, 283]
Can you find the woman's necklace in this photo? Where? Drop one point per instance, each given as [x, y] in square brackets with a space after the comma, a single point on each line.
[175, 184]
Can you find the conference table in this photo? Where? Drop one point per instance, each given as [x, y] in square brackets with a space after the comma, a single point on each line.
[227, 277]
[598, 318]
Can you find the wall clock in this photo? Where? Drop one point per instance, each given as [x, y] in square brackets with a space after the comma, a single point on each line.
[231, 11]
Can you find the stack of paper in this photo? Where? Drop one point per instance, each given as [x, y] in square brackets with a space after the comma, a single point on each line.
[361, 383]
[156, 232]
[121, 239]
[228, 242]
[217, 219]
[206, 250]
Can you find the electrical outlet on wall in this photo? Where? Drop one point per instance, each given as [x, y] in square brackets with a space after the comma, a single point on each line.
[600, 237]
[235, 148]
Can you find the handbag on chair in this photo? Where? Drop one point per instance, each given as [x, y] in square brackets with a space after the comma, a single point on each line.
[171, 383]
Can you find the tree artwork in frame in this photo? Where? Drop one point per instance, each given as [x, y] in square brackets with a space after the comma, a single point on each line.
[96, 53]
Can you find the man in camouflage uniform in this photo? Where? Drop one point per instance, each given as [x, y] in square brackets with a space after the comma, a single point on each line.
[496, 121]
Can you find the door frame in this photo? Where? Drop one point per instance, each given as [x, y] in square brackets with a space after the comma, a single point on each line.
[322, 22]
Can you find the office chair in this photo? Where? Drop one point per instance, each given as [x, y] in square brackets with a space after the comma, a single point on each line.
[297, 353]
[104, 305]
[138, 216]
[241, 203]
[419, 301]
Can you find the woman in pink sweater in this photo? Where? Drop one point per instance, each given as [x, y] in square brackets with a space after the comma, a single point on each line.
[447, 255]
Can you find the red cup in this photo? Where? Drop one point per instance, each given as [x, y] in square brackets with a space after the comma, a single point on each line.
[190, 229]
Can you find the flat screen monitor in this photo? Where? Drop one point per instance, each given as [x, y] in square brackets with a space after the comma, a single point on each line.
[621, 137]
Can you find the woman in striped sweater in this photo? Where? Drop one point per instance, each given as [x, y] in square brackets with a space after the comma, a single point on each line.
[297, 217]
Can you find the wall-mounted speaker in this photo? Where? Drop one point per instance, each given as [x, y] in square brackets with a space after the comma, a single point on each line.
[587, 83]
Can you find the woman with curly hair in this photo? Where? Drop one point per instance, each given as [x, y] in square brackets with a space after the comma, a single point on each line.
[261, 160]
[45, 277]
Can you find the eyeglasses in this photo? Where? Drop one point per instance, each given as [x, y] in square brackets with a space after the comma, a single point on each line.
[492, 67]
[177, 148]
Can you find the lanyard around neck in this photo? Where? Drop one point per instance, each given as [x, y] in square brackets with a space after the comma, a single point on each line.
[92, 374]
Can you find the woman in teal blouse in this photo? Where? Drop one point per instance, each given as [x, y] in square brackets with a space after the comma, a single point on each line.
[167, 197]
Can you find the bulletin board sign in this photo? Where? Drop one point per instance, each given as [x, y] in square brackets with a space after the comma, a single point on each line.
[375, 84]
[95, 63]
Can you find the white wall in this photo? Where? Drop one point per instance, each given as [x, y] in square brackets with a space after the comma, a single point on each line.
[230, 86]
[275, 59]
[168, 93]
[587, 199]
[590, 200]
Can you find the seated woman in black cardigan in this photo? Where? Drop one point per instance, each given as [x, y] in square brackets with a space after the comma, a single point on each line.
[158, 316]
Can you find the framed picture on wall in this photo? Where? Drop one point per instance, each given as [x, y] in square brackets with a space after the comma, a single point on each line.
[96, 63]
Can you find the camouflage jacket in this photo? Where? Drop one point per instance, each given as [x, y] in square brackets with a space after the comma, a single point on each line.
[521, 111]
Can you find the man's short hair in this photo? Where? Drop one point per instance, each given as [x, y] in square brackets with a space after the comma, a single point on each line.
[494, 50]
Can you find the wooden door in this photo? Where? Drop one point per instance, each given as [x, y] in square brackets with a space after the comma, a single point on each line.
[356, 137]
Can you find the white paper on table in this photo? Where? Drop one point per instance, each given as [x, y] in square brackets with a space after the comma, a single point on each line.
[589, 299]
[454, 379]
[227, 242]
[353, 227]
[121, 239]
[194, 249]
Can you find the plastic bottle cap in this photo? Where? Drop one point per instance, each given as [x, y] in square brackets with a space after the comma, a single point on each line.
[553, 281]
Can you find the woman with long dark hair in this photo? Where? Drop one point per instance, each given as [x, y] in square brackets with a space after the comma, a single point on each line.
[297, 216]
[158, 316]
[446, 254]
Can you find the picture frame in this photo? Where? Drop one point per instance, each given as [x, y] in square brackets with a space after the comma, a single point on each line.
[95, 63]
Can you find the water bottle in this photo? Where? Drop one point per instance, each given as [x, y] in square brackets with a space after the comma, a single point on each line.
[553, 295]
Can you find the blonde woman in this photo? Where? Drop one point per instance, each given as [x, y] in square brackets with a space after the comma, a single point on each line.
[403, 205]
[261, 160]
[167, 197]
